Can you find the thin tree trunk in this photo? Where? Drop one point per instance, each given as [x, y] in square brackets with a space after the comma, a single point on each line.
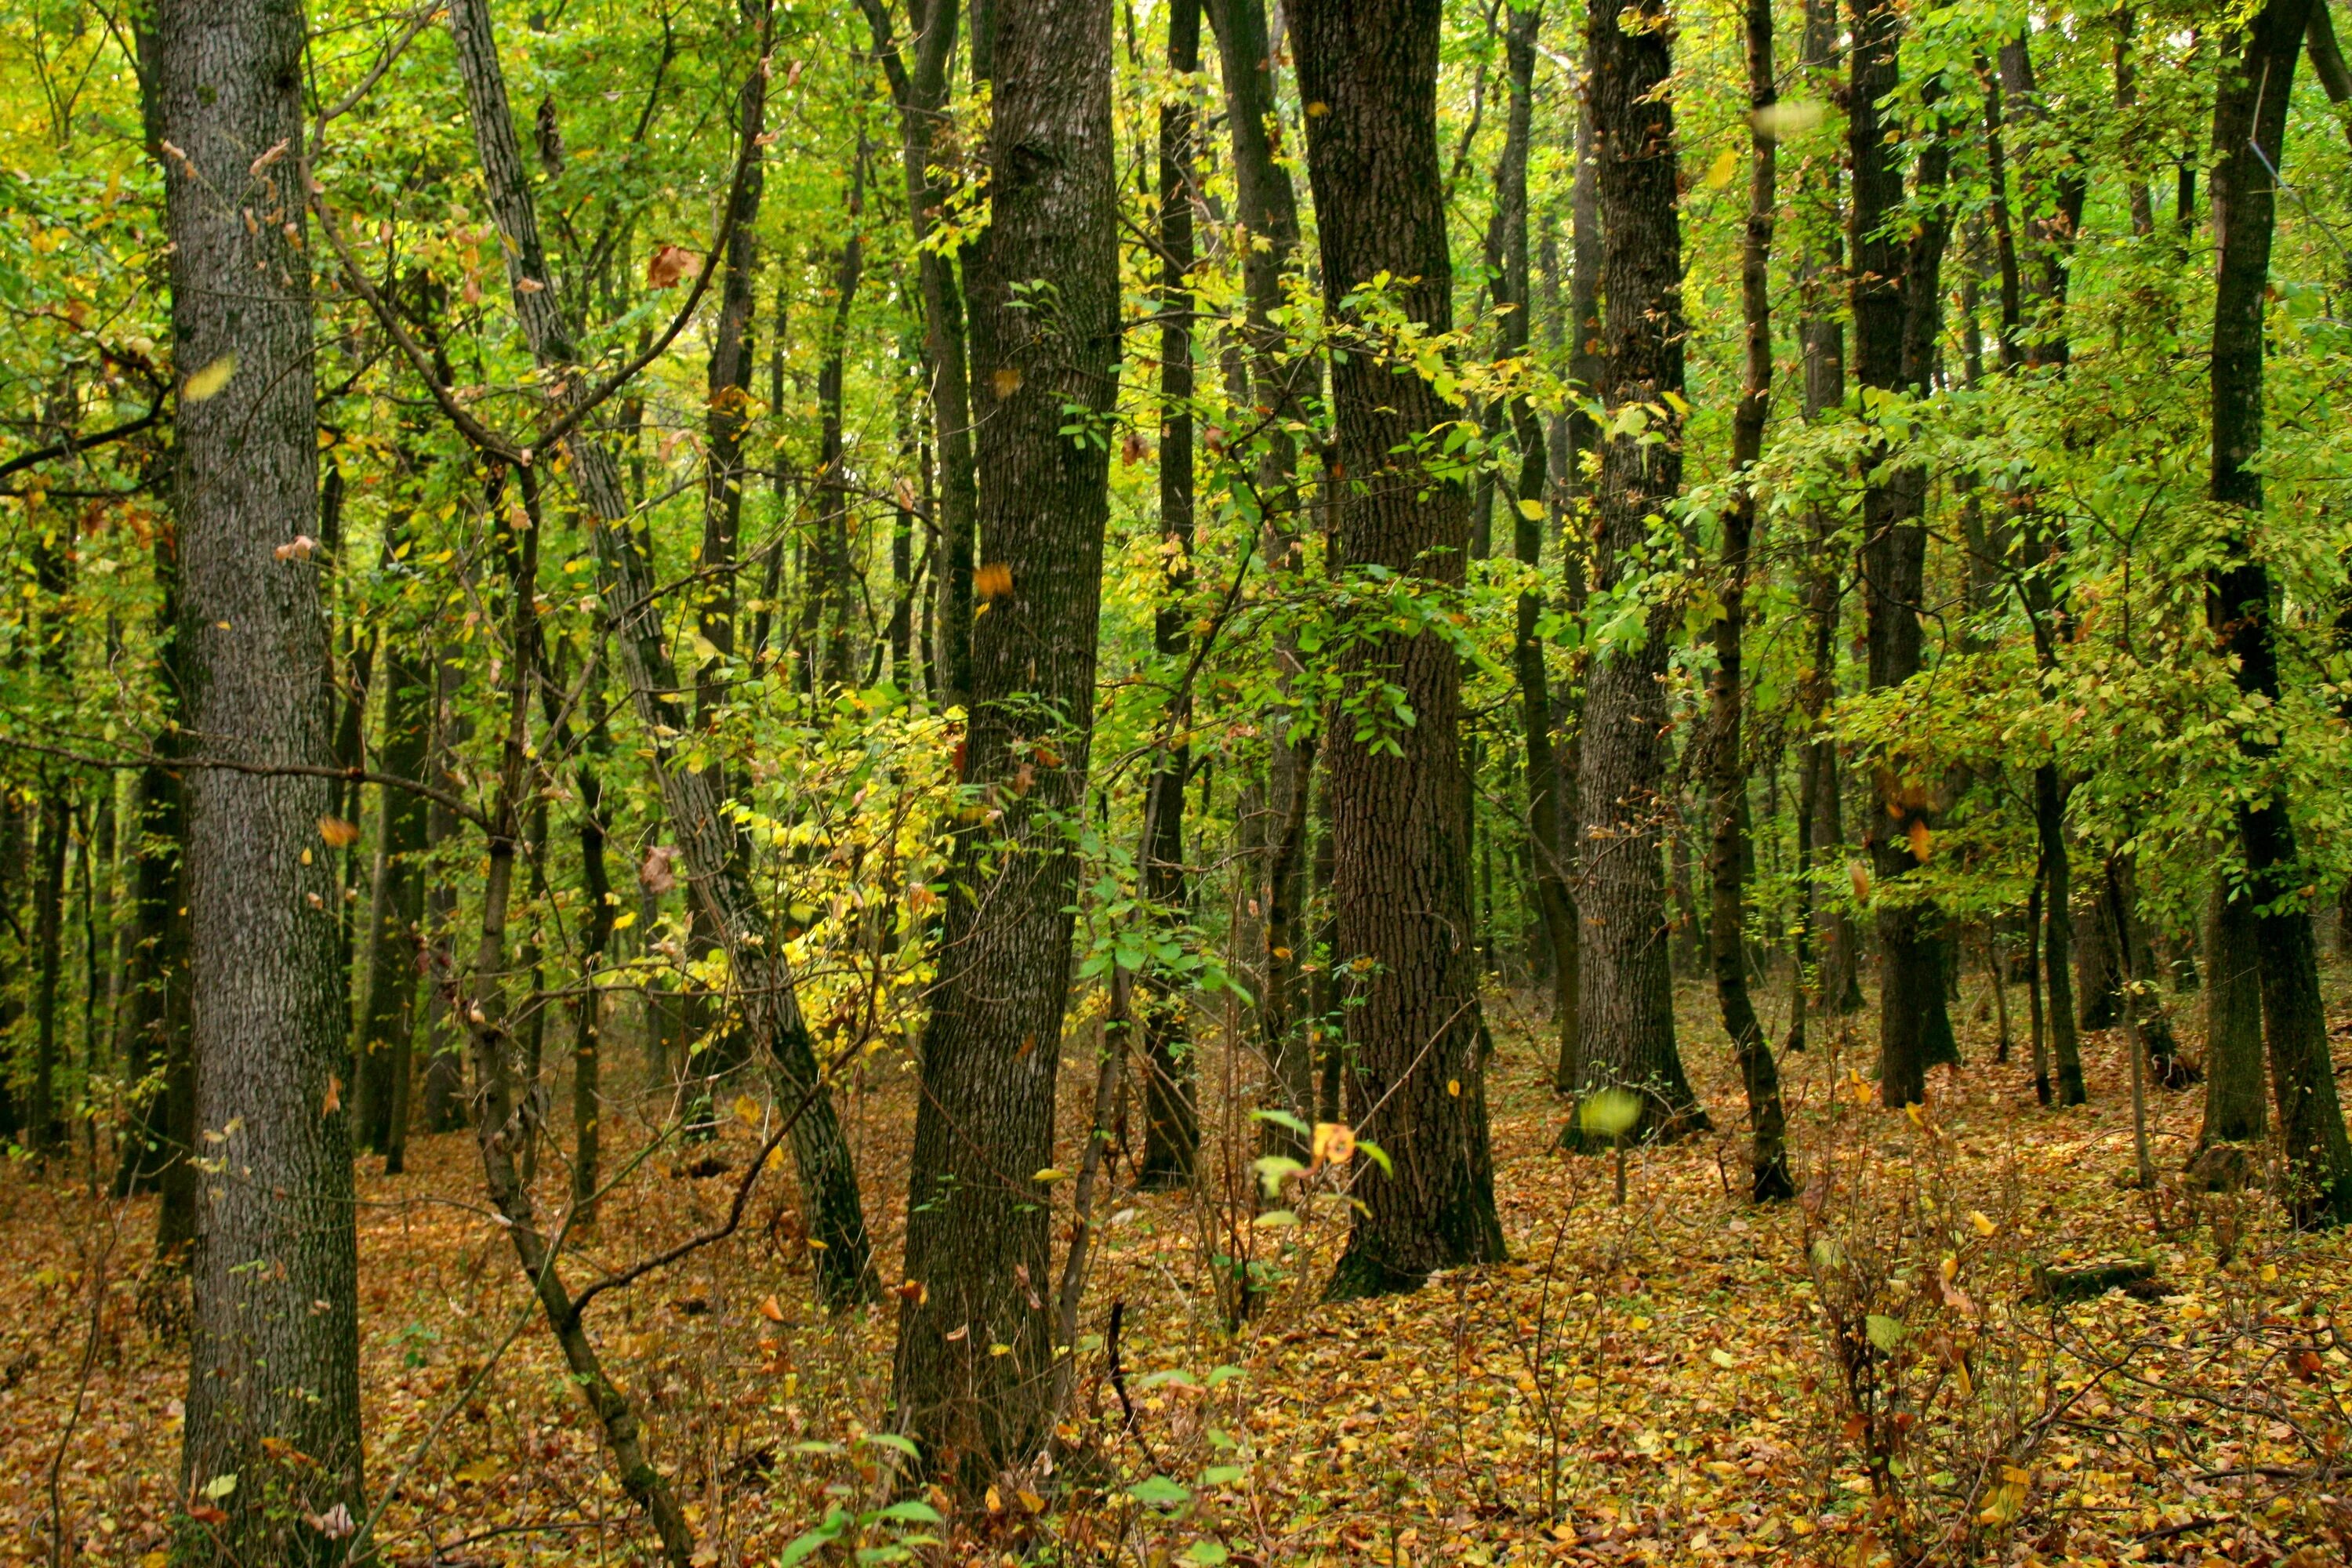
[1897, 304]
[1728, 910]
[45, 1121]
[274, 1363]
[1627, 1022]
[388, 1023]
[2249, 134]
[977, 1242]
[1172, 1123]
[830, 596]
[710, 845]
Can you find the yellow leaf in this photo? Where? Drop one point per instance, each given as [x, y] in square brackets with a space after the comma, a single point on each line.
[1031, 1501]
[1335, 1144]
[1453, 1086]
[995, 1500]
[1984, 1226]
[339, 834]
[479, 1471]
[207, 381]
[1719, 172]
[992, 580]
[1533, 511]
[624, 920]
[1051, 1174]
[1922, 841]
[1861, 875]
[1006, 379]
[747, 1111]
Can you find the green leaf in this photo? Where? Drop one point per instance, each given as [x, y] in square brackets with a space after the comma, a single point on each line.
[1283, 1118]
[1207, 1551]
[1378, 1155]
[913, 1510]
[893, 1440]
[1610, 1113]
[1221, 1474]
[1159, 1492]
[1885, 1332]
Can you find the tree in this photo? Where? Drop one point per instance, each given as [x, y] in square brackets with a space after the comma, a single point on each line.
[2250, 134]
[1368, 74]
[1627, 1017]
[1044, 299]
[1727, 860]
[274, 1362]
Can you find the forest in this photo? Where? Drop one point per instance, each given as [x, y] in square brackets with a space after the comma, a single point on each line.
[1175, 782]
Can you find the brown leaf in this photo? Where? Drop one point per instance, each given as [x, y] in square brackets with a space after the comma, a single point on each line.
[670, 266]
[992, 581]
[338, 833]
[656, 875]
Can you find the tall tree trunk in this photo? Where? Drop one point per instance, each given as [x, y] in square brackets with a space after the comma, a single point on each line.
[442, 1081]
[1727, 911]
[1514, 291]
[831, 594]
[710, 845]
[1627, 1023]
[978, 1243]
[2234, 1076]
[1896, 305]
[45, 1121]
[1172, 1123]
[382, 1055]
[274, 1363]
[1398, 798]
[2250, 137]
[919, 89]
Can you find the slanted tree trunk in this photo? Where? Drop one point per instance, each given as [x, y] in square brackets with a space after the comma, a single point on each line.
[977, 1242]
[1171, 1121]
[1626, 1024]
[274, 1362]
[2235, 1079]
[1728, 864]
[2250, 133]
[710, 847]
[1897, 304]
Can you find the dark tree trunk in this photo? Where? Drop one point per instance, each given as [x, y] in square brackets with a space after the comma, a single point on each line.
[977, 1242]
[2250, 133]
[1626, 1025]
[274, 1363]
[2098, 974]
[441, 1084]
[396, 912]
[920, 93]
[1896, 307]
[44, 1121]
[710, 847]
[2234, 1076]
[2058, 897]
[2141, 1000]
[830, 596]
[1171, 1130]
[1398, 800]
[1555, 907]
[1727, 865]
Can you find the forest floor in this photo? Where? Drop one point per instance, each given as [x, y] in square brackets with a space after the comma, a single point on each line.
[1650, 1382]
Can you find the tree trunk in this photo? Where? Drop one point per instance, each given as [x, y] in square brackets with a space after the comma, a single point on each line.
[830, 596]
[978, 1243]
[2250, 133]
[274, 1363]
[1555, 907]
[44, 1121]
[1398, 799]
[2098, 972]
[2058, 897]
[397, 911]
[1896, 305]
[710, 845]
[1172, 1123]
[1727, 865]
[2234, 1075]
[1627, 1023]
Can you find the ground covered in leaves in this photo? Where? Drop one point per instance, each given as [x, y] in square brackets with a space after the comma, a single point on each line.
[1863, 1374]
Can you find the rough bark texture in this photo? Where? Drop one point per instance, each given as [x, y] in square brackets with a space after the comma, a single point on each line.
[2249, 130]
[976, 1233]
[1626, 1022]
[1398, 797]
[1172, 1137]
[1727, 862]
[1895, 309]
[711, 847]
[275, 1352]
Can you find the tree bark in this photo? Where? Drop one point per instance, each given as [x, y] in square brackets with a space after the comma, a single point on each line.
[274, 1353]
[830, 596]
[1398, 797]
[2250, 133]
[710, 847]
[1171, 1121]
[976, 1233]
[397, 911]
[2235, 1079]
[1627, 1021]
[1768, 1179]
[1896, 307]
